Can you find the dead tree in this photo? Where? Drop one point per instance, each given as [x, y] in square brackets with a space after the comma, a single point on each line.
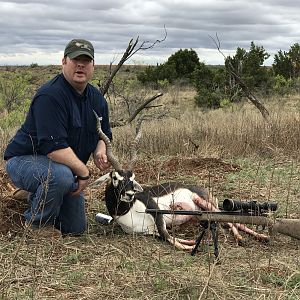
[247, 92]
[133, 47]
[145, 104]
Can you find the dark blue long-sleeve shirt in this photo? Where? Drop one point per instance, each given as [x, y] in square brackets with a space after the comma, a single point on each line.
[59, 118]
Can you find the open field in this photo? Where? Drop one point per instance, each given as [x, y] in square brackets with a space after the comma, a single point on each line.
[233, 152]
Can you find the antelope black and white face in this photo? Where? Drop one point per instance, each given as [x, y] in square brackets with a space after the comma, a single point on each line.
[124, 184]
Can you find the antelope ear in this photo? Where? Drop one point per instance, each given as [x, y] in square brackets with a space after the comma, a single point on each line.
[137, 187]
[100, 181]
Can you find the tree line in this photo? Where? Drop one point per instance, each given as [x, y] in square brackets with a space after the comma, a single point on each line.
[218, 86]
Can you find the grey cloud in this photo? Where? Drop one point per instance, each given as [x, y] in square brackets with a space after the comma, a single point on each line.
[46, 26]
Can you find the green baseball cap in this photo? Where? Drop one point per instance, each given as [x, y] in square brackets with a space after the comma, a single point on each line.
[78, 47]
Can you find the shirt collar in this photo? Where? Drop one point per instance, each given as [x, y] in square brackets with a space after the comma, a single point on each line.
[82, 96]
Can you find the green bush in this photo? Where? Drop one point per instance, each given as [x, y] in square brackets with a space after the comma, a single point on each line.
[180, 65]
[282, 86]
[15, 117]
[14, 90]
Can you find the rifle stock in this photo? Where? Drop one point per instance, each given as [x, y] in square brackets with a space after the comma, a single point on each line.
[289, 227]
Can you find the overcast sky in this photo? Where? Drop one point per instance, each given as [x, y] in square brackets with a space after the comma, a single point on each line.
[37, 31]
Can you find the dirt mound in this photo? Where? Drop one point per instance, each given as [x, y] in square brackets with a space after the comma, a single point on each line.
[189, 170]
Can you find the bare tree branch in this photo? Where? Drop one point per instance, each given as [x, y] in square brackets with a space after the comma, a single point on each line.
[138, 135]
[144, 105]
[129, 52]
[248, 93]
[134, 144]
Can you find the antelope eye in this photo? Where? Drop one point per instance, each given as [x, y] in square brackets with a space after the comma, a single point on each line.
[115, 178]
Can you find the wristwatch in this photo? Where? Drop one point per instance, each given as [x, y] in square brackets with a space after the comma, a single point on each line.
[83, 177]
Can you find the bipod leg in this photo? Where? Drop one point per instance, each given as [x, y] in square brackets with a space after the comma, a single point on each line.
[204, 224]
[214, 233]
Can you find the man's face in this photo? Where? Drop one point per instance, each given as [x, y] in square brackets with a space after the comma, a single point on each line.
[78, 71]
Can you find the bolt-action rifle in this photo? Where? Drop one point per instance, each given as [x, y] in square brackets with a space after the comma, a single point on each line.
[235, 211]
[245, 212]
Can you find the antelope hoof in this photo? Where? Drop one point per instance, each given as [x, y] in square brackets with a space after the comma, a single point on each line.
[241, 242]
[263, 238]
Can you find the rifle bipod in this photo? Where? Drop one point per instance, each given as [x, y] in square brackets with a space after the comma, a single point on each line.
[213, 228]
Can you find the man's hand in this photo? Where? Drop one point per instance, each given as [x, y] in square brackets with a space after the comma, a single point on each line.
[82, 184]
[67, 157]
[100, 158]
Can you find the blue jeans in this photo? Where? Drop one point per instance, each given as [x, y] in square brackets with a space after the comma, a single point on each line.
[49, 184]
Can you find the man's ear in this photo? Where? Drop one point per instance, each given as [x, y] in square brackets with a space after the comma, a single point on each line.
[64, 60]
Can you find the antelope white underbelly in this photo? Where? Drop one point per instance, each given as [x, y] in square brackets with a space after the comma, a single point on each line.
[136, 220]
[179, 199]
[178, 196]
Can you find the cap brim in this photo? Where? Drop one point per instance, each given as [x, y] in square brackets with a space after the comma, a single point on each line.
[78, 53]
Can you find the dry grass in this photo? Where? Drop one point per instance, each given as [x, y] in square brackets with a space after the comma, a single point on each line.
[106, 263]
[113, 266]
[237, 132]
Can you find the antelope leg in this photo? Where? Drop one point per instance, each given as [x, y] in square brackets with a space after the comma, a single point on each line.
[186, 242]
[205, 205]
[235, 232]
[176, 242]
[259, 236]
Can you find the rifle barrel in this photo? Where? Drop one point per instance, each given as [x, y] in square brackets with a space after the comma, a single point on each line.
[290, 227]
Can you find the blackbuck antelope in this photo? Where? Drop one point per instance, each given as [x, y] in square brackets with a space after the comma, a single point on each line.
[126, 202]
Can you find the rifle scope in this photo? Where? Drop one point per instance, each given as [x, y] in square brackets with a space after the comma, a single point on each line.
[250, 205]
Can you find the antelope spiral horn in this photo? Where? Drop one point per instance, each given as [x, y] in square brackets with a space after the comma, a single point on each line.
[110, 156]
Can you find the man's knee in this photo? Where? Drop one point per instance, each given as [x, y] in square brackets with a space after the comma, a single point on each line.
[62, 177]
